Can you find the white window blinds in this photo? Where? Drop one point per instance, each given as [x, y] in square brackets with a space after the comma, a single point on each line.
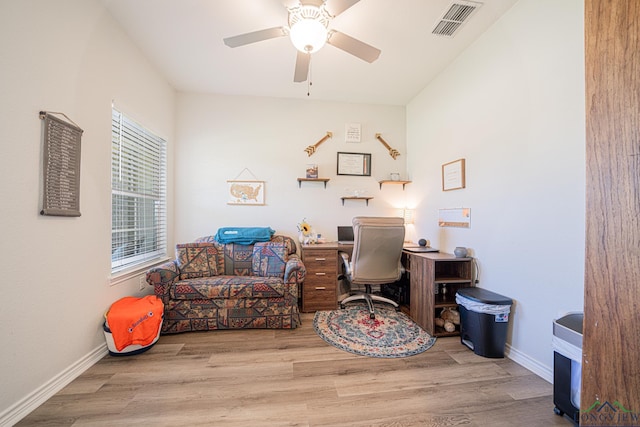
[138, 194]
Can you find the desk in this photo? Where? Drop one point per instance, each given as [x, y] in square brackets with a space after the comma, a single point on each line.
[323, 265]
[434, 279]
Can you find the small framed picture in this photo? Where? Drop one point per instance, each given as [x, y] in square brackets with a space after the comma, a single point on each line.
[357, 164]
[352, 132]
[312, 171]
[453, 175]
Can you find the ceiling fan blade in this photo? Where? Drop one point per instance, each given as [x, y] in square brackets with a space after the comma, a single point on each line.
[336, 7]
[255, 36]
[353, 46]
[302, 67]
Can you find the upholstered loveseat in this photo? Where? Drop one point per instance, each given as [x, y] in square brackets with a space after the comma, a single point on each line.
[211, 285]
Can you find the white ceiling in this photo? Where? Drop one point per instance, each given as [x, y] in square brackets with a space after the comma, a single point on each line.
[183, 38]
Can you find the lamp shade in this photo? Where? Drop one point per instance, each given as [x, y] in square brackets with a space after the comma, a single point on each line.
[308, 35]
[308, 27]
[407, 214]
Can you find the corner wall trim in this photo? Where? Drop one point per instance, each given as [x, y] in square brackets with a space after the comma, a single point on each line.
[30, 402]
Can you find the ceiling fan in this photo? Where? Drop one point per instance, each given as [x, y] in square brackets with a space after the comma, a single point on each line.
[308, 29]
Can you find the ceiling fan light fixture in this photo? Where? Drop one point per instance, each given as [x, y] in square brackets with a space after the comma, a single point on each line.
[308, 35]
[308, 27]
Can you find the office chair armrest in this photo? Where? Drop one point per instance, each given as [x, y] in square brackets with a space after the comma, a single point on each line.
[345, 261]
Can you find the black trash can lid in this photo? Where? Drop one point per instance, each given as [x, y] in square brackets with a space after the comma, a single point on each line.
[484, 296]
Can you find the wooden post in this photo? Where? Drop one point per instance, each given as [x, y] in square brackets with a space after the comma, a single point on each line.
[610, 392]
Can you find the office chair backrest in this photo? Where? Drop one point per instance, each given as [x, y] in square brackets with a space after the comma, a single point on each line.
[377, 248]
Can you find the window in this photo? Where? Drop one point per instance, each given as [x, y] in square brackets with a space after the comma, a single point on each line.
[138, 194]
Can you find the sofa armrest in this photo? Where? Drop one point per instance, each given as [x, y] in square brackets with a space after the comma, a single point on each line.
[295, 271]
[294, 275]
[161, 277]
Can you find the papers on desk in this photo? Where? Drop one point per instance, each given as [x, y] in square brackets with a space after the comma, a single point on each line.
[420, 249]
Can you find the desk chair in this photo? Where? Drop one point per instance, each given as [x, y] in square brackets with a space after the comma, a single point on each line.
[377, 248]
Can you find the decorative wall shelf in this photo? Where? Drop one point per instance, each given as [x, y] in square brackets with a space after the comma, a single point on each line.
[301, 180]
[389, 181]
[366, 199]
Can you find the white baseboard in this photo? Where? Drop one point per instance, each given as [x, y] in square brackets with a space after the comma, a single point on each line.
[27, 405]
[544, 372]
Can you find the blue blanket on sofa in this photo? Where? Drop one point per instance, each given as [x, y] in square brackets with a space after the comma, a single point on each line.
[244, 235]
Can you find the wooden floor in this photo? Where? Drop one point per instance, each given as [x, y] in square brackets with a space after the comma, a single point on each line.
[293, 378]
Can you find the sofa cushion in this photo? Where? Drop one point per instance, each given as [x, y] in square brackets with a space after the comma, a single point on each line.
[269, 259]
[228, 287]
[197, 260]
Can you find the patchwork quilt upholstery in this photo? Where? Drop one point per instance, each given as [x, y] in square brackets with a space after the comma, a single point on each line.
[211, 285]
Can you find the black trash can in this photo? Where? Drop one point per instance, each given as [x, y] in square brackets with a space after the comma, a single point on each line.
[567, 364]
[484, 318]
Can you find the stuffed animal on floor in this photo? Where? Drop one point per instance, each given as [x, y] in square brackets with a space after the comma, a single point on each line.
[449, 318]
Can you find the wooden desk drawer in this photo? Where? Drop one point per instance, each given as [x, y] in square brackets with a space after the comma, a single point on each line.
[320, 259]
[325, 282]
[321, 274]
[320, 278]
[318, 297]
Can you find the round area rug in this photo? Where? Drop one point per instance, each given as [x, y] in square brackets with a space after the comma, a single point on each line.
[391, 334]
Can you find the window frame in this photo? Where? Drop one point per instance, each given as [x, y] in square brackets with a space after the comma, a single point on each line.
[138, 196]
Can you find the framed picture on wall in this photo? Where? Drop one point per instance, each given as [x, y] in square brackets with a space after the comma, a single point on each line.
[352, 132]
[453, 175]
[357, 164]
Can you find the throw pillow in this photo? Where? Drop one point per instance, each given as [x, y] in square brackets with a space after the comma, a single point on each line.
[196, 260]
[269, 259]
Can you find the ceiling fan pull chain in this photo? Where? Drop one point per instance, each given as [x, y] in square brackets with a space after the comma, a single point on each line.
[309, 82]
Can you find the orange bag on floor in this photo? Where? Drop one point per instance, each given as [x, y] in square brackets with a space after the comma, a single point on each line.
[135, 321]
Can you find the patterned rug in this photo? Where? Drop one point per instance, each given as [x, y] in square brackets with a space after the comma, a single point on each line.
[391, 334]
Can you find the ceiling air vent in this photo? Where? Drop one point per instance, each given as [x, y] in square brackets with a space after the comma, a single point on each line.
[457, 14]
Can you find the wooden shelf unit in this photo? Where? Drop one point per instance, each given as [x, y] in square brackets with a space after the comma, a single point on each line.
[355, 198]
[434, 280]
[391, 181]
[323, 180]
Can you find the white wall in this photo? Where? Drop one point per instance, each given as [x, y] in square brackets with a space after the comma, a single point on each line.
[512, 105]
[219, 136]
[68, 57]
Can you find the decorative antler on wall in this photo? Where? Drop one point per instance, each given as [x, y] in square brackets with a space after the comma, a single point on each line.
[312, 148]
[392, 151]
